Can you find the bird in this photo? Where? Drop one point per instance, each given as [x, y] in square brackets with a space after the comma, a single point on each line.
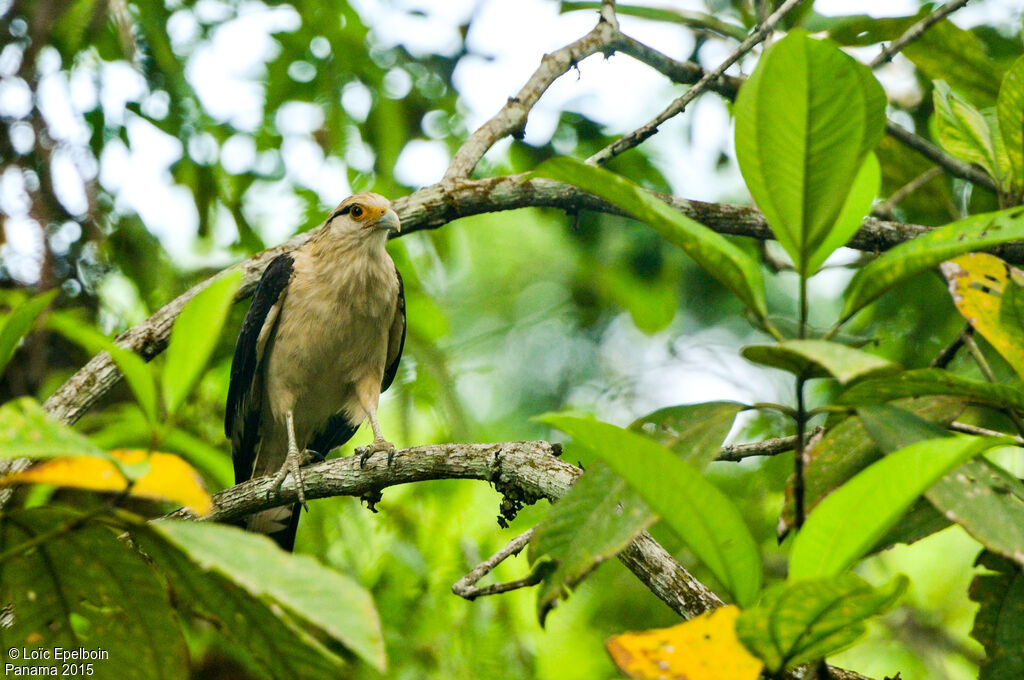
[321, 341]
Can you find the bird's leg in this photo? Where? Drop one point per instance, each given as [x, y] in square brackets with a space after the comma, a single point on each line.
[369, 398]
[293, 463]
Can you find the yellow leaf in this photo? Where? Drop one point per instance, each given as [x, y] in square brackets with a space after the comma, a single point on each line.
[978, 282]
[169, 478]
[703, 648]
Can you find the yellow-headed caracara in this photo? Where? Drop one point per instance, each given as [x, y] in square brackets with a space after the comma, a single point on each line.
[321, 341]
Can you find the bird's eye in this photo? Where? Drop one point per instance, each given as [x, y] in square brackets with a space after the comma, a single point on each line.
[356, 211]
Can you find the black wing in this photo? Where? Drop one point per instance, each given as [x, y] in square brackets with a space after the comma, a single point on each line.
[337, 430]
[241, 420]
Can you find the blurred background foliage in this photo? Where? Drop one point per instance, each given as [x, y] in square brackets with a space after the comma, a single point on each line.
[148, 143]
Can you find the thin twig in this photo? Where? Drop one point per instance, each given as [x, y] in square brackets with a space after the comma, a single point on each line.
[640, 134]
[769, 447]
[466, 586]
[884, 210]
[953, 166]
[915, 32]
[967, 428]
[986, 369]
[948, 353]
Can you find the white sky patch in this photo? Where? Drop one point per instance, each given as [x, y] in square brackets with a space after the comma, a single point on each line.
[422, 163]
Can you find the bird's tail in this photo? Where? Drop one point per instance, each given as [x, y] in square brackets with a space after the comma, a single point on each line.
[280, 524]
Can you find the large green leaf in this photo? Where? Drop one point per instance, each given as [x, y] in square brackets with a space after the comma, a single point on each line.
[962, 130]
[86, 588]
[856, 515]
[281, 645]
[928, 250]
[796, 623]
[592, 523]
[805, 120]
[929, 381]
[1010, 114]
[27, 431]
[194, 337]
[999, 623]
[18, 323]
[330, 603]
[858, 204]
[694, 431]
[983, 498]
[141, 380]
[947, 52]
[695, 509]
[819, 359]
[726, 262]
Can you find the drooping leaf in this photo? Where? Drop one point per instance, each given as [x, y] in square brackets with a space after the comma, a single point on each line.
[819, 359]
[846, 449]
[928, 250]
[283, 645]
[18, 323]
[858, 204]
[592, 523]
[327, 601]
[695, 20]
[814, 111]
[694, 508]
[983, 498]
[999, 623]
[726, 262]
[140, 378]
[947, 52]
[981, 285]
[1010, 114]
[860, 29]
[852, 519]
[26, 431]
[796, 623]
[85, 588]
[164, 477]
[703, 648]
[194, 337]
[694, 431]
[932, 381]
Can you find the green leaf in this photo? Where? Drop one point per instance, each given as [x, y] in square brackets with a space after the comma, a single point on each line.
[815, 112]
[796, 623]
[86, 588]
[726, 262]
[947, 52]
[694, 431]
[1010, 114]
[999, 623]
[194, 337]
[928, 250]
[930, 381]
[140, 378]
[696, 20]
[27, 431]
[18, 323]
[852, 519]
[819, 359]
[858, 204]
[695, 509]
[861, 29]
[983, 498]
[962, 130]
[592, 523]
[330, 603]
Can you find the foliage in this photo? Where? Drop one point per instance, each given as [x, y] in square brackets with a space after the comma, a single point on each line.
[849, 392]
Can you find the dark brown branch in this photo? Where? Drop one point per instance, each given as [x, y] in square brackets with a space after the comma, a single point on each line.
[916, 31]
[953, 166]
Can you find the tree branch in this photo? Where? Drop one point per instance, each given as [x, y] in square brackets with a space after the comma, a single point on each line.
[430, 208]
[466, 586]
[634, 138]
[953, 166]
[915, 32]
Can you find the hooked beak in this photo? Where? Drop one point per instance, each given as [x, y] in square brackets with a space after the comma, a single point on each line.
[389, 221]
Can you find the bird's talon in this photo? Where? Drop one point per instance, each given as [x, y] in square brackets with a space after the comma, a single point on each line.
[373, 447]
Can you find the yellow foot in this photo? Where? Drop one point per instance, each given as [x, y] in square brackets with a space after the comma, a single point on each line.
[376, 445]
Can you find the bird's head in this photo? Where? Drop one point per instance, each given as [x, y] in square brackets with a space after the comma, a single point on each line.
[364, 215]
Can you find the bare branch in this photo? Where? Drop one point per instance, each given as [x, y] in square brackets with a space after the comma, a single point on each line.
[640, 134]
[915, 32]
[953, 166]
[511, 119]
[769, 447]
[466, 586]
[431, 208]
[967, 428]
[884, 210]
